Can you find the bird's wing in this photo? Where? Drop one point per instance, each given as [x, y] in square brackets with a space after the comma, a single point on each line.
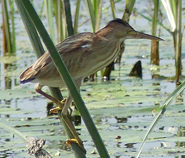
[44, 66]
[72, 43]
[31, 72]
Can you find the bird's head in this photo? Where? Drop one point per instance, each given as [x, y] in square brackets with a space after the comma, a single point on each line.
[123, 30]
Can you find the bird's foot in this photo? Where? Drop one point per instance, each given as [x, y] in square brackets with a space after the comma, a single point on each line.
[55, 110]
[80, 143]
[59, 108]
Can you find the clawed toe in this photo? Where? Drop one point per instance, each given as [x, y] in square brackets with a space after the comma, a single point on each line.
[59, 108]
[80, 143]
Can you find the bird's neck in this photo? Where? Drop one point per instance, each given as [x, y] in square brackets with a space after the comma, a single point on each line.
[106, 32]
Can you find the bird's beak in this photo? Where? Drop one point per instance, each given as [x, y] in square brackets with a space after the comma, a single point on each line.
[132, 34]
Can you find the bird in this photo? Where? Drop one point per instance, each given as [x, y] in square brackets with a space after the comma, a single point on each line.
[83, 54]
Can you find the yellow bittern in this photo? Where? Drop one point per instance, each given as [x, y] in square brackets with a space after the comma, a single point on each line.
[83, 55]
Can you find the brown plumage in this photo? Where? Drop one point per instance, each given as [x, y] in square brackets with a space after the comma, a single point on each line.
[83, 55]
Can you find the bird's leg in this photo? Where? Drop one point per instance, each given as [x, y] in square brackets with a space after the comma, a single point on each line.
[38, 89]
[70, 125]
[68, 121]
[64, 106]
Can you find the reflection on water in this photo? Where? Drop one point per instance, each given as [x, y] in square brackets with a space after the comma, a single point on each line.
[6, 81]
[130, 145]
[180, 133]
[121, 120]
